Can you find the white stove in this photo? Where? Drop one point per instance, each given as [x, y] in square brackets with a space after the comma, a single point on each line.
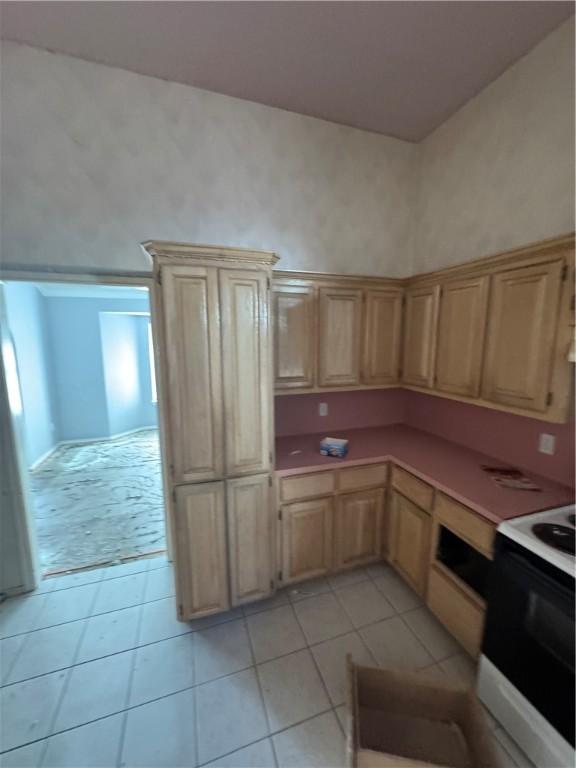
[547, 534]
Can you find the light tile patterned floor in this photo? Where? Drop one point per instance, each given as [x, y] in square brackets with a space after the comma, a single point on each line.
[96, 671]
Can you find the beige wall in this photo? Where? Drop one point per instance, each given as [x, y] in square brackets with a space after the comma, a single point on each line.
[500, 172]
[97, 159]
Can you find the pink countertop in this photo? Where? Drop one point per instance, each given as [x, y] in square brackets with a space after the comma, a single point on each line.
[448, 466]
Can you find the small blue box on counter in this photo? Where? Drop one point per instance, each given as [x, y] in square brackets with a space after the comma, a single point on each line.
[333, 446]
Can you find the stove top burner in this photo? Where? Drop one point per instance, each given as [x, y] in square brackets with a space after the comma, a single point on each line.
[572, 519]
[558, 536]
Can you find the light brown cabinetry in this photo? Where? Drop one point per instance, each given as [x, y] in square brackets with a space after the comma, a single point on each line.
[521, 331]
[294, 312]
[200, 549]
[382, 336]
[307, 539]
[419, 349]
[461, 331]
[358, 528]
[456, 608]
[251, 534]
[409, 540]
[339, 339]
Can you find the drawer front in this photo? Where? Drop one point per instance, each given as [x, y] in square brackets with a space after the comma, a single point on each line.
[466, 524]
[357, 478]
[307, 486]
[414, 489]
[459, 614]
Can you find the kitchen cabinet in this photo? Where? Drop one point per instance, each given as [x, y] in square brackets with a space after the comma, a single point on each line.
[521, 332]
[409, 541]
[307, 539]
[382, 336]
[251, 538]
[419, 349]
[212, 322]
[339, 340]
[461, 613]
[461, 333]
[246, 357]
[358, 528]
[294, 312]
[200, 549]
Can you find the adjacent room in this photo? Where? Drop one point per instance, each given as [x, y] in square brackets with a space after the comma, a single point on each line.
[84, 368]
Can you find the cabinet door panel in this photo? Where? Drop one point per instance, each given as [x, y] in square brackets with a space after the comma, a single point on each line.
[250, 538]
[306, 539]
[246, 365]
[410, 541]
[339, 337]
[420, 319]
[294, 336]
[521, 331]
[382, 334]
[461, 331]
[192, 332]
[200, 550]
[358, 528]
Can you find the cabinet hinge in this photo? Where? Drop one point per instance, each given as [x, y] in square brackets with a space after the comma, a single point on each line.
[573, 302]
[279, 575]
[279, 514]
[171, 470]
[270, 480]
[271, 585]
[268, 283]
[180, 610]
[159, 277]
[564, 272]
[270, 457]
[174, 495]
[549, 398]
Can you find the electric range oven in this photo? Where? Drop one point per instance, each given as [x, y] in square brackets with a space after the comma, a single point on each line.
[526, 675]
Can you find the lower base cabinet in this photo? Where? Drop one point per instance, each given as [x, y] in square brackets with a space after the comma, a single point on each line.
[307, 539]
[200, 542]
[358, 528]
[409, 541]
[462, 616]
[251, 538]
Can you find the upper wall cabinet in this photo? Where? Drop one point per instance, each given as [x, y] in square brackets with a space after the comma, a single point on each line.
[294, 312]
[382, 336]
[461, 332]
[420, 319]
[247, 384]
[521, 333]
[339, 341]
[192, 349]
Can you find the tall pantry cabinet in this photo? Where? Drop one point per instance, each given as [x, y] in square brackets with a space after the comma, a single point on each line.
[212, 323]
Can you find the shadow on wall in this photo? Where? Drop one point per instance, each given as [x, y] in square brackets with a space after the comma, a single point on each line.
[81, 377]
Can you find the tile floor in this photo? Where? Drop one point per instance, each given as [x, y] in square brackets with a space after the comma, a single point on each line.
[96, 671]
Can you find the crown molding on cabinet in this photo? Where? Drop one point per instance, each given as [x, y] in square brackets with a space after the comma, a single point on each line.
[167, 252]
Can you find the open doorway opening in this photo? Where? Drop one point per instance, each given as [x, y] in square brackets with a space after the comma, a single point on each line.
[82, 375]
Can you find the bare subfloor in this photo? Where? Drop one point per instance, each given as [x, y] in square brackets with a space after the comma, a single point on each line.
[99, 502]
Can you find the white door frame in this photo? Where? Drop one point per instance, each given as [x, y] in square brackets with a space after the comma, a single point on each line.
[17, 474]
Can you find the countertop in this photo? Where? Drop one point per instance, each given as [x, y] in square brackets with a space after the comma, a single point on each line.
[450, 467]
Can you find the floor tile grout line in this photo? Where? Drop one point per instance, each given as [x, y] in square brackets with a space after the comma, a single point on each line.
[128, 695]
[314, 662]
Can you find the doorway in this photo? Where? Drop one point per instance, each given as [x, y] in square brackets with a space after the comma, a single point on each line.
[83, 369]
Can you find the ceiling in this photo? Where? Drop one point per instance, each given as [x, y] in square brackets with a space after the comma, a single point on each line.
[397, 68]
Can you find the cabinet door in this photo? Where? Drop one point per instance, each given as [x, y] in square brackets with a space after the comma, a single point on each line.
[410, 541]
[192, 331]
[294, 315]
[461, 332]
[382, 333]
[339, 337]
[306, 539]
[200, 550]
[358, 528]
[250, 538]
[420, 319]
[246, 355]
[521, 331]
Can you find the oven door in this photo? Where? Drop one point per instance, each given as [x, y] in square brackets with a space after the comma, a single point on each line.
[529, 634]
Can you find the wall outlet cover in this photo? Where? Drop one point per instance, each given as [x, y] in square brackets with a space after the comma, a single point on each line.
[323, 409]
[547, 444]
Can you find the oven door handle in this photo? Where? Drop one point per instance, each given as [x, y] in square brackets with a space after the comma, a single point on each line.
[514, 565]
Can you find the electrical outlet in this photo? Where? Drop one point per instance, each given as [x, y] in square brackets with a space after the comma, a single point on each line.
[323, 409]
[547, 444]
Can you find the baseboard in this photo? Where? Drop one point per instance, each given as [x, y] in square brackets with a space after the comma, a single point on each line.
[87, 440]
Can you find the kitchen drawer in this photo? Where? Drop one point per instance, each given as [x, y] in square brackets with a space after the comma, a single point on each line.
[307, 486]
[357, 478]
[414, 489]
[460, 614]
[464, 523]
